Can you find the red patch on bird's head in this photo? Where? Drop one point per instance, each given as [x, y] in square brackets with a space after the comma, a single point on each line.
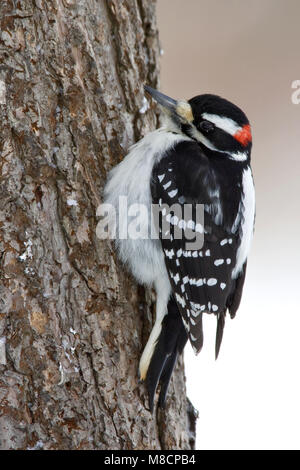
[243, 136]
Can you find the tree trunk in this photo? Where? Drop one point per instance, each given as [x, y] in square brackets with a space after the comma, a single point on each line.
[73, 323]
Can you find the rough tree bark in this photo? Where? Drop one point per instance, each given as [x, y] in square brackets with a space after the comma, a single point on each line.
[72, 321]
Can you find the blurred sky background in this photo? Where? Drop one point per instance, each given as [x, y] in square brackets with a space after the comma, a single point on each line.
[249, 53]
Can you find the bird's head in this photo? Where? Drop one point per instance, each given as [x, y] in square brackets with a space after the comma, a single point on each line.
[212, 121]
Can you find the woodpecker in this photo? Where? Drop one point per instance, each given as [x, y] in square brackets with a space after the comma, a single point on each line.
[201, 156]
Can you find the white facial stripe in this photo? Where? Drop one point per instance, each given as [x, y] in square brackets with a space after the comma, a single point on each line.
[198, 136]
[226, 124]
[238, 156]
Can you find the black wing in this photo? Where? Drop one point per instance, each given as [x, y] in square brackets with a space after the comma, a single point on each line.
[201, 278]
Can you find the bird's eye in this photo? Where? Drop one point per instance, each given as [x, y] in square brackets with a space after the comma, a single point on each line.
[206, 126]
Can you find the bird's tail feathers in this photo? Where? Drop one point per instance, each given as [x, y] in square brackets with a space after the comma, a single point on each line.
[219, 332]
[171, 341]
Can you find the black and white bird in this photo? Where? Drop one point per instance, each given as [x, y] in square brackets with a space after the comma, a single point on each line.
[200, 156]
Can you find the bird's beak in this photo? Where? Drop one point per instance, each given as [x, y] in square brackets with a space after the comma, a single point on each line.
[164, 100]
[179, 109]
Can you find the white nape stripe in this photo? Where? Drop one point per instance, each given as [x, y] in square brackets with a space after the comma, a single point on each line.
[226, 124]
[238, 156]
[248, 206]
